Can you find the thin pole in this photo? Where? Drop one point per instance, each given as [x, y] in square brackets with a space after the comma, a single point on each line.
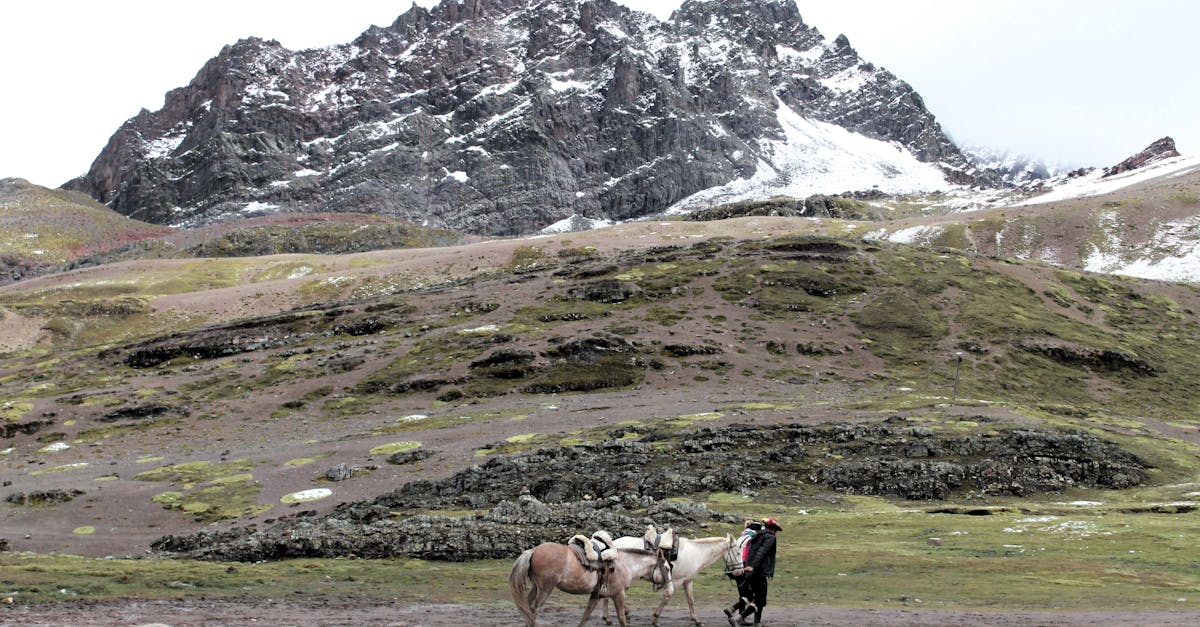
[957, 367]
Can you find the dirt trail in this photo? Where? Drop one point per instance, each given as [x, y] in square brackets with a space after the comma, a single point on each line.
[196, 613]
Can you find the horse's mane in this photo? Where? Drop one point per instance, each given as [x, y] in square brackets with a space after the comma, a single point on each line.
[634, 551]
[711, 540]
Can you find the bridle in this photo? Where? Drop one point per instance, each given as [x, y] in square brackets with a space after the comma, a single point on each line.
[664, 567]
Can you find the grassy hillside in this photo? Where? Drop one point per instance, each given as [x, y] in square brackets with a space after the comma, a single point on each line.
[44, 230]
[40, 226]
[181, 394]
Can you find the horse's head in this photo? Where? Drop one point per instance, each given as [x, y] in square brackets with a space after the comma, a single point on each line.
[733, 557]
[662, 568]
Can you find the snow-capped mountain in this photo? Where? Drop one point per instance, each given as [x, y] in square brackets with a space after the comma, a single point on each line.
[1140, 218]
[1016, 169]
[1158, 160]
[506, 116]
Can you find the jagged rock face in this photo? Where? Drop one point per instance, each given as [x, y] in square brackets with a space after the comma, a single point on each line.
[1159, 150]
[500, 117]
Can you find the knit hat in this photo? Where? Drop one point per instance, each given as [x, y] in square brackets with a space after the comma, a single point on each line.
[772, 524]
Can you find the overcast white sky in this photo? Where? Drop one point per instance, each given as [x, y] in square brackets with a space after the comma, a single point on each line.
[1085, 82]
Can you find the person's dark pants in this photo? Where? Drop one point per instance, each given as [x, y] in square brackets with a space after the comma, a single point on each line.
[745, 593]
[758, 587]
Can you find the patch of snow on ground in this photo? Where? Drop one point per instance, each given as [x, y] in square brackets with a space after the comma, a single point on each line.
[459, 176]
[1104, 256]
[915, 234]
[1179, 245]
[305, 496]
[300, 272]
[1094, 183]
[820, 158]
[575, 223]
[56, 447]
[1084, 528]
[414, 418]
[255, 206]
[487, 328]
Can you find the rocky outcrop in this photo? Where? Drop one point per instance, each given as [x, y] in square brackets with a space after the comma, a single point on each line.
[43, 498]
[621, 485]
[1103, 359]
[1159, 150]
[12, 429]
[502, 116]
[369, 531]
[842, 207]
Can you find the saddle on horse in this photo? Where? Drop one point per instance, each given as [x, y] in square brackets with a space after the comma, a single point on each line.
[595, 553]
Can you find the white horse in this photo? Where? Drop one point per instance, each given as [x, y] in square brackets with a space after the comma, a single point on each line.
[694, 556]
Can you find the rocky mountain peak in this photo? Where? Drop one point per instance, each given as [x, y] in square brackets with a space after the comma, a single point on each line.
[505, 116]
[1157, 151]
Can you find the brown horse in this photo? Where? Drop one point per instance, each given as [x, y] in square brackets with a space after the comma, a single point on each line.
[550, 565]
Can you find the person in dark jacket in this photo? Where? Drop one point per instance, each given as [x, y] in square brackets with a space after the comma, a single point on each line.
[760, 568]
[745, 593]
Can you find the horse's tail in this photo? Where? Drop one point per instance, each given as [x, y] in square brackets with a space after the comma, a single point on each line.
[518, 584]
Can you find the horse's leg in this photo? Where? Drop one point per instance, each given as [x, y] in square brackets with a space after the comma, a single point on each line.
[538, 596]
[668, 591]
[587, 612]
[604, 611]
[687, 592]
[618, 598]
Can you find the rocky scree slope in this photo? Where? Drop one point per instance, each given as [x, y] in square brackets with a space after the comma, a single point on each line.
[505, 116]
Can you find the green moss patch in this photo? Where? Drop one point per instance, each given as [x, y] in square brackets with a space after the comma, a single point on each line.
[395, 447]
[225, 498]
[195, 472]
[64, 468]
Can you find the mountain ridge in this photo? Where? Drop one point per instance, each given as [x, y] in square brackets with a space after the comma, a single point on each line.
[495, 118]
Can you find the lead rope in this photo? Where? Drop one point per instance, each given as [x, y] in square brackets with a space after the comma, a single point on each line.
[664, 569]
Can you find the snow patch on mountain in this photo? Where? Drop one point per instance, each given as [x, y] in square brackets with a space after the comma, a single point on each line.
[1094, 183]
[575, 223]
[1016, 169]
[1173, 254]
[820, 158]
